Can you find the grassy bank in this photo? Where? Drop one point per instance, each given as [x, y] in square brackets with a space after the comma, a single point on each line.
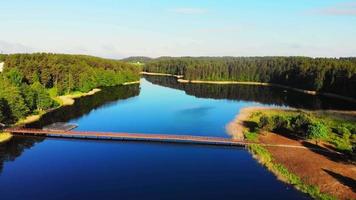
[329, 127]
[5, 137]
[283, 174]
[304, 168]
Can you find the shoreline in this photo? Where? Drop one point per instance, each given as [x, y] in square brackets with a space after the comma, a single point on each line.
[301, 167]
[161, 74]
[180, 79]
[64, 100]
[4, 137]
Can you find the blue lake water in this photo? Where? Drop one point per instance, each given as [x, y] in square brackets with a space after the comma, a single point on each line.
[39, 168]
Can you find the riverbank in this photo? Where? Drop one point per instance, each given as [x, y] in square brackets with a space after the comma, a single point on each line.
[64, 100]
[4, 137]
[180, 79]
[317, 170]
[161, 74]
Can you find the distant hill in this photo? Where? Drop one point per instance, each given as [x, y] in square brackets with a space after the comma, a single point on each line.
[141, 59]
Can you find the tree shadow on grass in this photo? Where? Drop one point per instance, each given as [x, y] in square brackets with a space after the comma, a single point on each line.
[251, 125]
[327, 153]
[347, 181]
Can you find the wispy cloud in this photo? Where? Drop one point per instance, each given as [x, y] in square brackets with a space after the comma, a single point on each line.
[341, 9]
[189, 11]
[8, 47]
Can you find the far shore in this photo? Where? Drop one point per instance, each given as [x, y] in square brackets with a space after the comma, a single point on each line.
[161, 74]
[4, 137]
[307, 162]
[64, 100]
[180, 79]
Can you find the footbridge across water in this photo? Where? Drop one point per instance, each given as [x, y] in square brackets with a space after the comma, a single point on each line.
[165, 138]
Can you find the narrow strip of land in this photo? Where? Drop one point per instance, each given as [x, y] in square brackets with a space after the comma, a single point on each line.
[180, 79]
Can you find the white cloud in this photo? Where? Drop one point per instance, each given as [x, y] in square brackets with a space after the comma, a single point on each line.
[8, 47]
[189, 11]
[341, 9]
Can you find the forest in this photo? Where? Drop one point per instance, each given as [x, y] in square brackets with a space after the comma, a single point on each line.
[266, 95]
[29, 82]
[328, 75]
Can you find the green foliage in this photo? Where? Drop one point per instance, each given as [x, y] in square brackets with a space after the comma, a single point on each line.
[320, 127]
[2, 57]
[251, 136]
[321, 74]
[266, 123]
[29, 95]
[43, 100]
[31, 81]
[53, 92]
[71, 72]
[14, 76]
[300, 123]
[342, 130]
[283, 173]
[12, 98]
[5, 111]
[280, 122]
[317, 131]
[273, 123]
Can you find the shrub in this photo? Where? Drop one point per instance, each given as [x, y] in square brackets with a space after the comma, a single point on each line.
[317, 131]
[266, 123]
[342, 130]
[300, 123]
[280, 122]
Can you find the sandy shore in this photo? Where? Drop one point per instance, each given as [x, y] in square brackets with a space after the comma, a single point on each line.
[180, 79]
[4, 137]
[70, 99]
[65, 100]
[315, 165]
[161, 74]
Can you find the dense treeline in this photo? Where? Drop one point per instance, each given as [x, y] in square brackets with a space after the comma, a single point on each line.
[329, 75]
[261, 94]
[71, 72]
[30, 80]
[141, 59]
[2, 57]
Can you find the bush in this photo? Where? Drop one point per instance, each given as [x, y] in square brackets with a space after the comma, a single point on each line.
[300, 124]
[43, 100]
[266, 123]
[342, 130]
[317, 131]
[280, 122]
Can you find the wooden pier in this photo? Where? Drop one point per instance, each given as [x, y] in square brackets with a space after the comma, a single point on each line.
[166, 138]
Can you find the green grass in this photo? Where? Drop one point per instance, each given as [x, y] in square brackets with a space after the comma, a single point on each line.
[265, 158]
[334, 123]
[251, 136]
[4, 137]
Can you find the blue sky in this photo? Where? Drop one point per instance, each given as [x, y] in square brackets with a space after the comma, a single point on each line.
[120, 28]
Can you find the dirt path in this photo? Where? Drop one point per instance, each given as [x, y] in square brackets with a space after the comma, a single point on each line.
[320, 166]
[325, 169]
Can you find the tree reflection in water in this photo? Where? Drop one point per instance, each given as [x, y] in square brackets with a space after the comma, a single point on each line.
[261, 94]
[12, 149]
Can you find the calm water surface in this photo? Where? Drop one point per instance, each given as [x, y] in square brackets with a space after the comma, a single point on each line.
[38, 168]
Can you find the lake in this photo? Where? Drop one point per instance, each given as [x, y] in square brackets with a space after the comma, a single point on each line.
[39, 168]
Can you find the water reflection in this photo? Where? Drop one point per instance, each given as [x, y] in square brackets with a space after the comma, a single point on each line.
[260, 94]
[12, 149]
[86, 104]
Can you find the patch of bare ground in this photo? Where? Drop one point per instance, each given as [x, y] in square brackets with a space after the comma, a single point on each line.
[317, 165]
[237, 126]
[328, 170]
